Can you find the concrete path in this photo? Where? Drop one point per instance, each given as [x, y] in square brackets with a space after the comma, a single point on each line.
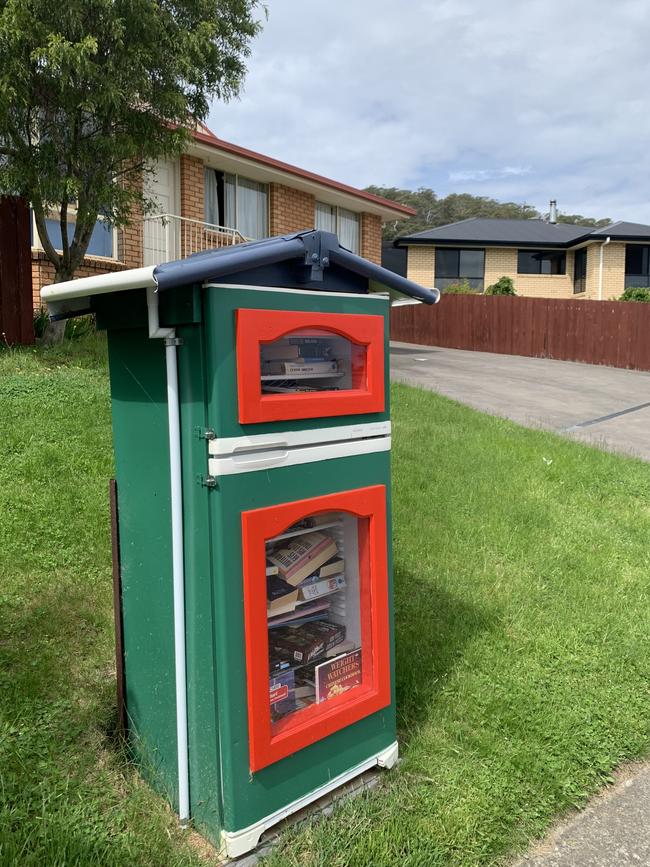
[612, 831]
[601, 405]
[605, 406]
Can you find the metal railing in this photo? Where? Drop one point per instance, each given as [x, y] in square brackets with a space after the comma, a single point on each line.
[167, 237]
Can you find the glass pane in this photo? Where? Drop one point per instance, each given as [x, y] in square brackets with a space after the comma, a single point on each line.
[526, 262]
[212, 214]
[635, 260]
[447, 263]
[471, 264]
[251, 209]
[325, 217]
[230, 203]
[312, 360]
[101, 240]
[313, 578]
[349, 230]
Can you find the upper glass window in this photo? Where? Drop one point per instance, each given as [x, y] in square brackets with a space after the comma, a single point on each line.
[101, 241]
[454, 265]
[342, 222]
[541, 262]
[637, 265]
[237, 203]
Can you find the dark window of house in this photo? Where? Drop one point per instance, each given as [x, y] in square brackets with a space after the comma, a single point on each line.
[541, 262]
[454, 265]
[637, 265]
[580, 271]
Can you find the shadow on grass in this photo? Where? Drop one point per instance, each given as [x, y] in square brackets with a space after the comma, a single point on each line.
[432, 627]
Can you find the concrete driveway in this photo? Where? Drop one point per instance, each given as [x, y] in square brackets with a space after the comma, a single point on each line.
[601, 405]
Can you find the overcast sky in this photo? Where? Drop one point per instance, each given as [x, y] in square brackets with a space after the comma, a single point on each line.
[523, 100]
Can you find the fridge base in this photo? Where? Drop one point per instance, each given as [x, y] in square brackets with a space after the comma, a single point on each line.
[234, 844]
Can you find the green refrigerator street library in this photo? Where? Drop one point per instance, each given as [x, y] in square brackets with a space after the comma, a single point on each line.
[251, 426]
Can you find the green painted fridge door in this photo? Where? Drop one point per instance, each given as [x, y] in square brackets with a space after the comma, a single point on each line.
[274, 747]
[286, 359]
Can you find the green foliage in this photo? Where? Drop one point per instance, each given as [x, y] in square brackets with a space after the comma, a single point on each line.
[636, 293]
[462, 288]
[433, 210]
[503, 286]
[40, 322]
[91, 92]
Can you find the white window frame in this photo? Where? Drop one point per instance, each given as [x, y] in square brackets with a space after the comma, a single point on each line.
[337, 212]
[72, 213]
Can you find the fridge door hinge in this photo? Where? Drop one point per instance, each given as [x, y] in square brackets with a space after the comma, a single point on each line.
[205, 433]
[208, 481]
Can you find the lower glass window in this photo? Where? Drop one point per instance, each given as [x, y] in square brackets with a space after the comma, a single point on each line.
[313, 611]
[454, 265]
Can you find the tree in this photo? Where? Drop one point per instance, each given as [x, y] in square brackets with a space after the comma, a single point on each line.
[433, 211]
[92, 91]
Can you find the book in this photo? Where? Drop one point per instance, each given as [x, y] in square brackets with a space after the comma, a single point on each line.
[314, 590]
[281, 597]
[290, 646]
[282, 694]
[271, 569]
[301, 556]
[300, 615]
[299, 366]
[338, 649]
[338, 675]
[280, 351]
[332, 567]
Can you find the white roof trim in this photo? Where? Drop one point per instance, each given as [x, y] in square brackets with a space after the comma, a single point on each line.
[120, 281]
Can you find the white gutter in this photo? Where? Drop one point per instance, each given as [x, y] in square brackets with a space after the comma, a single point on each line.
[178, 567]
[600, 268]
[119, 281]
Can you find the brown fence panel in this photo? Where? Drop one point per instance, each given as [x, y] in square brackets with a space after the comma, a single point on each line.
[16, 313]
[594, 332]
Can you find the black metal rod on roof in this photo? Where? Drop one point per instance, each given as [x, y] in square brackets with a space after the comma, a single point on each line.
[387, 278]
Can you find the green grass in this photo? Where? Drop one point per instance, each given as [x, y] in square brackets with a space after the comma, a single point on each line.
[523, 656]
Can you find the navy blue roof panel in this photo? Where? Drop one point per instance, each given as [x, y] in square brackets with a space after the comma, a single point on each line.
[312, 259]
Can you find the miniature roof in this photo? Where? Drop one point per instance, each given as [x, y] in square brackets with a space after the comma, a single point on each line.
[305, 260]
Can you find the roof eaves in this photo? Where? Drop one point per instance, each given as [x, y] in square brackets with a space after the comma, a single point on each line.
[262, 159]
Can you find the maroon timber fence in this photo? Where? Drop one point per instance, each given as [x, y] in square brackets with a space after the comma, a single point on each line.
[16, 305]
[596, 332]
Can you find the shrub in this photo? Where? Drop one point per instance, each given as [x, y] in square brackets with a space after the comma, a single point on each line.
[636, 293]
[503, 286]
[462, 288]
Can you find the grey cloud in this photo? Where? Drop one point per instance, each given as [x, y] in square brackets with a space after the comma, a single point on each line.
[531, 100]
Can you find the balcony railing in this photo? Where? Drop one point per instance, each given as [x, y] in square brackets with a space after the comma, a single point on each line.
[167, 237]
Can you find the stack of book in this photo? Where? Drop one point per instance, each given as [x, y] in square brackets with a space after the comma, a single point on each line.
[299, 357]
[303, 572]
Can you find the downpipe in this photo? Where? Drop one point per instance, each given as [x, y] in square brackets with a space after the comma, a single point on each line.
[168, 335]
[600, 268]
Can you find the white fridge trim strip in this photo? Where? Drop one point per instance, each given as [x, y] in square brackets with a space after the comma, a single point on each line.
[283, 456]
[223, 446]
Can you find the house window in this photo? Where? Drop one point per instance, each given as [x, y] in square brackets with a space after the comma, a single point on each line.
[236, 202]
[541, 262]
[102, 240]
[340, 221]
[637, 265]
[454, 265]
[580, 271]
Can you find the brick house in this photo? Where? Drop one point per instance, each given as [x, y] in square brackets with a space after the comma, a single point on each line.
[544, 258]
[217, 194]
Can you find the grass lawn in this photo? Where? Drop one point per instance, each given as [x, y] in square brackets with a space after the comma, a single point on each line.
[523, 655]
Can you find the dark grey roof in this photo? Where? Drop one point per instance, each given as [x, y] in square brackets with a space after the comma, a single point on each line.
[492, 232]
[624, 231]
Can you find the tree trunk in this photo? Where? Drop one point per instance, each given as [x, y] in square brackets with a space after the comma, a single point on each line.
[55, 331]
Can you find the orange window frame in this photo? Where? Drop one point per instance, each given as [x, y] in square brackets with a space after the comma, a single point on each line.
[269, 742]
[254, 327]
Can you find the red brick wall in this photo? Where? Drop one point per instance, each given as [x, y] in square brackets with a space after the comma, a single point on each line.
[371, 237]
[290, 210]
[43, 271]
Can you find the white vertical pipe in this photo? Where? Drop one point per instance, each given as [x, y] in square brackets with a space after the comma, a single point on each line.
[173, 411]
[600, 268]
[178, 565]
